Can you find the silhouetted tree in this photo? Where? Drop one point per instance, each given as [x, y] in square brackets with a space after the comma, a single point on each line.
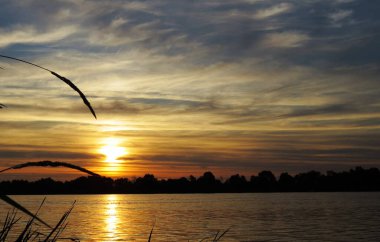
[181, 185]
[264, 182]
[364, 180]
[90, 185]
[309, 182]
[286, 183]
[146, 184]
[47, 185]
[208, 183]
[236, 183]
[123, 185]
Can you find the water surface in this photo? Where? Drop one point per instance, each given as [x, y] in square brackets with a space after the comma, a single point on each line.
[192, 217]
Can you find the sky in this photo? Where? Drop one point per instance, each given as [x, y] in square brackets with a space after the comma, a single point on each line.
[183, 87]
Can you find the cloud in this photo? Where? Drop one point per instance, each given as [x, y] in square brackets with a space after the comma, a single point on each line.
[29, 35]
[288, 39]
[223, 69]
[137, 5]
[322, 110]
[340, 15]
[41, 154]
[118, 22]
[273, 11]
[343, 1]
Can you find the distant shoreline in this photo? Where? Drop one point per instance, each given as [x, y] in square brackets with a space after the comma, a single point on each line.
[354, 180]
[94, 194]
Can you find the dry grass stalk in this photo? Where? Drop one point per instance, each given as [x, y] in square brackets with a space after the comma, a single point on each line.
[51, 164]
[62, 78]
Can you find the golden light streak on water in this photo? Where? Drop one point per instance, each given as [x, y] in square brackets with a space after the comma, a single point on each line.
[111, 216]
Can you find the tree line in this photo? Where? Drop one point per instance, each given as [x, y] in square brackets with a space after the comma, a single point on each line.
[358, 179]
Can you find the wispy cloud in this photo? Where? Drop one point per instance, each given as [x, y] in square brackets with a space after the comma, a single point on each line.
[289, 39]
[273, 11]
[29, 35]
[340, 15]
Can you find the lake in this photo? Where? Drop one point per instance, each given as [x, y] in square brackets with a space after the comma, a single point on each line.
[193, 217]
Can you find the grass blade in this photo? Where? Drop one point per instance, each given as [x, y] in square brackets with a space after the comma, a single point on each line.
[68, 82]
[9, 221]
[64, 79]
[216, 236]
[27, 62]
[51, 164]
[223, 234]
[151, 232]
[15, 204]
[27, 232]
[204, 239]
[61, 221]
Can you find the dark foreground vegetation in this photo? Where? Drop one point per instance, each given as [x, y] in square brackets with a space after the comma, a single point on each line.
[358, 179]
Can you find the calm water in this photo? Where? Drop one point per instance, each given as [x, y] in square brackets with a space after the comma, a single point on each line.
[251, 217]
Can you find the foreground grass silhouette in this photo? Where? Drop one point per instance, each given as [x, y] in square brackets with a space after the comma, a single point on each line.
[29, 233]
[9, 221]
[62, 78]
[51, 164]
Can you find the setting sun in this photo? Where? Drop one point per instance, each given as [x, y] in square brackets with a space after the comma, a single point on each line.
[112, 150]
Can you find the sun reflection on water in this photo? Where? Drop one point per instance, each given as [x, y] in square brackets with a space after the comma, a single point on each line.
[111, 216]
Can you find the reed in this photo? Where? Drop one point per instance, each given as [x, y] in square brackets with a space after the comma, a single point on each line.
[51, 164]
[151, 232]
[9, 222]
[62, 78]
[217, 237]
[6, 198]
[29, 232]
[18, 206]
[14, 204]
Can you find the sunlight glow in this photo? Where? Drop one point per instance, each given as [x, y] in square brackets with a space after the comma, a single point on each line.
[113, 126]
[112, 150]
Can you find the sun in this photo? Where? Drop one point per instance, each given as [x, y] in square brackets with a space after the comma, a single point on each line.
[112, 150]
